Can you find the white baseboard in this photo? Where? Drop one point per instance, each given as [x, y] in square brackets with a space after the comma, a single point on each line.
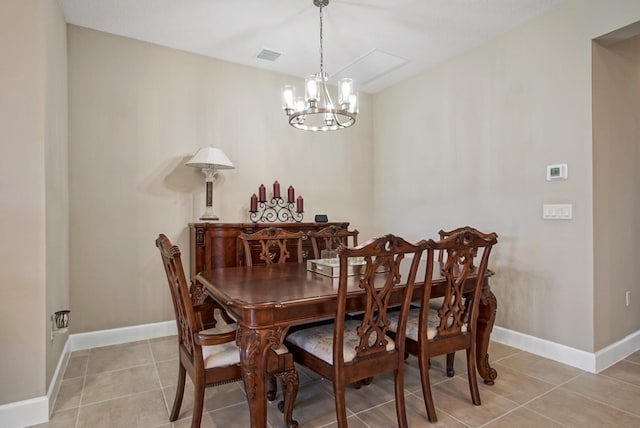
[54, 386]
[116, 336]
[34, 411]
[20, 414]
[615, 352]
[588, 361]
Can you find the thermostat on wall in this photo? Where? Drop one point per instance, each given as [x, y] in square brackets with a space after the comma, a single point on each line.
[557, 172]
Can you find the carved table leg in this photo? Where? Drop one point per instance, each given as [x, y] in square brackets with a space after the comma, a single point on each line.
[289, 383]
[254, 345]
[486, 318]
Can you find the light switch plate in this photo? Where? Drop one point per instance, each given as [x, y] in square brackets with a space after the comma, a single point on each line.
[557, 211]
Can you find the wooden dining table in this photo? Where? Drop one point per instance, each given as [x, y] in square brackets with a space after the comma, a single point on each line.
[268, 300]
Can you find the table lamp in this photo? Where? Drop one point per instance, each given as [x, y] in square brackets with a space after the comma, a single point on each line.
[209, 159]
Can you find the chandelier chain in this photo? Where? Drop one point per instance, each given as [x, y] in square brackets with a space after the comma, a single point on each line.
[321, 51]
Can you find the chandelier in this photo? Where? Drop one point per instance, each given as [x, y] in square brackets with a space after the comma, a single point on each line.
[317, 111]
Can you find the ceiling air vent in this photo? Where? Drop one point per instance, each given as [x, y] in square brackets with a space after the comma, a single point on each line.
[268, 55]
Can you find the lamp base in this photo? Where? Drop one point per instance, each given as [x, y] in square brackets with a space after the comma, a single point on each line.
[208, 214]
[207, 218]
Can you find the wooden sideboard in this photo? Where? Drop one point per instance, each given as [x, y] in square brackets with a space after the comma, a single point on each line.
[216, 245]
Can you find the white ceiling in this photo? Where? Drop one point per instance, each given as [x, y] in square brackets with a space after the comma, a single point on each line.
[376, 42]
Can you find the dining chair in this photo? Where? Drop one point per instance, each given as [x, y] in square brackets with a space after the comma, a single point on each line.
[349, 350]
[271, 246]
[434, 304]
[452, 326]
[330, 237]
[211, 356]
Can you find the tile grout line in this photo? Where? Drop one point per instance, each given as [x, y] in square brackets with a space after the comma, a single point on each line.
[438, 409]
[157, 373]
[618, 380]
[523, 406]
[555, 387]
[84, 382]
[81, 405]
[607, 404]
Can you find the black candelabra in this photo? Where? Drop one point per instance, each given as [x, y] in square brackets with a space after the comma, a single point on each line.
[276, 210]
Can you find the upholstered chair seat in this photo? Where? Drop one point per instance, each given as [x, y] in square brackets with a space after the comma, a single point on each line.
[413, 320]
[318, 341]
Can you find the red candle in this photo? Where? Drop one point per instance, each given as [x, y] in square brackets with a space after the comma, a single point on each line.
[262, 193]
[300, 207]
[291, 195]
[254, 203]
[276, 189]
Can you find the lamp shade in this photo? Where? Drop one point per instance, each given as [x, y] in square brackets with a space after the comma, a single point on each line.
[210, 157]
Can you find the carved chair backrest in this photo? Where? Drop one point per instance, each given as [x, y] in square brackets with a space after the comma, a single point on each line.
[443, 234]
[382, 276]
[330, 238]
[458, 311]
[182, 303]
[274, 245]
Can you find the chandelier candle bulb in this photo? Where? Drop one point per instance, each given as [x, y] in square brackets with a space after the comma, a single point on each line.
[262, 193]
[353, 103]
[288, 98]
[276, 189]
[346, 89]
[311, 85]
[254, 203]
[291, 195]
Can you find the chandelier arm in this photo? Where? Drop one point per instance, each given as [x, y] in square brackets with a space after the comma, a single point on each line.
[334, 110]
[326, 93]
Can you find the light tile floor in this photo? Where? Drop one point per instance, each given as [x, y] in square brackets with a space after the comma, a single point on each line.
[133, 385]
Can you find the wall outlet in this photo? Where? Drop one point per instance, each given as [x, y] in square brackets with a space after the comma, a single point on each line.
[627, 297]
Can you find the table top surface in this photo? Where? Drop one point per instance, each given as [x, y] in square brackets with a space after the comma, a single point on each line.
[259, 296]
[287, 282]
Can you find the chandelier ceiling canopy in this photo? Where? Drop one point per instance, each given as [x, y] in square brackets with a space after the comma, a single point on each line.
[317, 110]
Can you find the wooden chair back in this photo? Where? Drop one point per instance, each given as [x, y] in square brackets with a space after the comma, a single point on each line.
[460, 247]
[182, 304]
[271, 246]
[330, 237]
[443, 234]
[383, 257]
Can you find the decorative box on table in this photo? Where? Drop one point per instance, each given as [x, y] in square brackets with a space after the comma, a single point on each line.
[331, 267]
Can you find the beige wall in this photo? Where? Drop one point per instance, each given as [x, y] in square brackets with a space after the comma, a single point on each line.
[469, 141]
[138, 112]
[33, 121]
[616, 153]
[56, 176]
